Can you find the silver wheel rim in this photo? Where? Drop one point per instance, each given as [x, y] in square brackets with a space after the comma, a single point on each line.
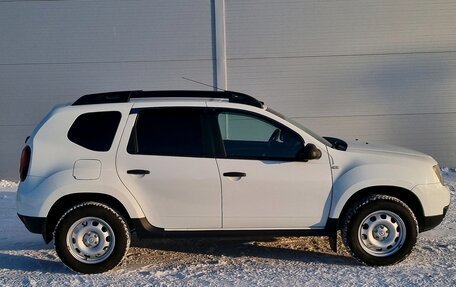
[90, 240]
[382, 233]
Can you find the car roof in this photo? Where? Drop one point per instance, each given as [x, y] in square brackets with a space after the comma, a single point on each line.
[125, 96]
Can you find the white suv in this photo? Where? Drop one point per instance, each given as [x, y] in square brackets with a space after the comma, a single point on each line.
[203, 163]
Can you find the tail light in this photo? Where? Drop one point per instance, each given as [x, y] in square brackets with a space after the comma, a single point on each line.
[25, 162]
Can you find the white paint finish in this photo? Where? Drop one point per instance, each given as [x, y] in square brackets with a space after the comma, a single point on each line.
[177, 195]
[432, 134]
[36, 195]
[105, 31]
[179, 192]
[50, 150]
[87, 169]
[363, 166]
[433, 196]
[288, 28]
[133, 45]
[276, 194]
[50, 174]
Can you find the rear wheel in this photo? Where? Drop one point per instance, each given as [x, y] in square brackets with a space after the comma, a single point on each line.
[380, 230]
[91, 238]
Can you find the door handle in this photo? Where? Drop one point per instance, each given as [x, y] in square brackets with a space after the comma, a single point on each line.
[235, 174]
[138, 171]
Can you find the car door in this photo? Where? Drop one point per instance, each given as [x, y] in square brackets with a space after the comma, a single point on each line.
[263, 185]
[165, 159]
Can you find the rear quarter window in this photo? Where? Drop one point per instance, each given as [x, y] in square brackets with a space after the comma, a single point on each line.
[95, 131]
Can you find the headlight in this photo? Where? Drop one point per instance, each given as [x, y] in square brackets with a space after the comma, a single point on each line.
[438, 172]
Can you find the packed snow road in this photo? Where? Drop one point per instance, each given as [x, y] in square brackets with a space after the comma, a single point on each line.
[306, 261]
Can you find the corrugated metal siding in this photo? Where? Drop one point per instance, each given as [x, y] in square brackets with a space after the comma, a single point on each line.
[381, 71]
[290, 28]
[104, 31]
[370, 69]
[56, 51]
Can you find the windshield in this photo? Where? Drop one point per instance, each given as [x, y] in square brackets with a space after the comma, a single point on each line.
[299, 125]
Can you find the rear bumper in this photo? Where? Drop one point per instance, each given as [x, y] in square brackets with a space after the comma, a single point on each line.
[33, 224]
[432, 221]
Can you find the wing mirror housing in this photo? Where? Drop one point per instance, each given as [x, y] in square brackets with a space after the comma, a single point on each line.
[309, 152]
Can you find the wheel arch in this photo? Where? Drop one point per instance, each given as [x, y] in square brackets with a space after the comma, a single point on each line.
[403, 194]
[70, 200]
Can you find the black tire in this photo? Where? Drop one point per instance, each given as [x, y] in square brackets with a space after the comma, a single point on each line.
[91, 238]
[379, 230]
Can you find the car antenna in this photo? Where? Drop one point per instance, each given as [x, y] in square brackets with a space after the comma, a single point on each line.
[204, 84]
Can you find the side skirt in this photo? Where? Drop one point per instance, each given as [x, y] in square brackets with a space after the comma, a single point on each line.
[144, 229]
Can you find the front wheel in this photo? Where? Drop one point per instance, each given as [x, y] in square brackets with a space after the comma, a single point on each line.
[91, 238]
[380, 230]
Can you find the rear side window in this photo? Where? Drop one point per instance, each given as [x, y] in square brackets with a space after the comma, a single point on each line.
[95, 131]
[171, 132]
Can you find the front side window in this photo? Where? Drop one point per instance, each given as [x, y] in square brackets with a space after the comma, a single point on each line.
[169, 131]
[248, 136]
[95, 131]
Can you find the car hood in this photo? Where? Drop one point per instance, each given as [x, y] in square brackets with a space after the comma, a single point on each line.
[367, 147]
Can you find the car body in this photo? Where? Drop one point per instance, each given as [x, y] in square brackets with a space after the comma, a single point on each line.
[199, 163]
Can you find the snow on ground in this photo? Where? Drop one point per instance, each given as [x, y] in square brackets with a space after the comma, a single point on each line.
[306, 261]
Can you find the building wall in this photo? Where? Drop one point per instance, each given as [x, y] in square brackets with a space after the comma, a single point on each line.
[378, 70]
[375, 70]
[56, 51]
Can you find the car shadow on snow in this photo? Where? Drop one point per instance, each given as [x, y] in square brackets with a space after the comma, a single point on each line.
[30, 263]
[303, 249]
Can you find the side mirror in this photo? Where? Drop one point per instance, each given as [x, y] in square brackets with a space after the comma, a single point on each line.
[309, 152]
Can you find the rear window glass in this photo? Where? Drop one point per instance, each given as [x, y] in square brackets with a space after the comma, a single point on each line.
[169, 131]
[95, 131]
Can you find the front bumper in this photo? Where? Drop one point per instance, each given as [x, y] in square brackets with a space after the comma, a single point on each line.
[433, 197]
[432, 221]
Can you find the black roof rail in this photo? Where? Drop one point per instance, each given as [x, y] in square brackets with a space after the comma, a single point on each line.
[104, 98]
[125, 96]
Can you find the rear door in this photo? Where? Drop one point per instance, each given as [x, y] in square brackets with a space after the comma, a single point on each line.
[165, 159]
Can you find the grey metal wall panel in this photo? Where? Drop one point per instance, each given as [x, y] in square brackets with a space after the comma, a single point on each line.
[34, 89]
[289, 28]
[55, 51]
[373, 69]
[376, 70]
[104, 31]
[28, 92]
[349, 86]
[434, 134]
[11, 142]
[403, 99]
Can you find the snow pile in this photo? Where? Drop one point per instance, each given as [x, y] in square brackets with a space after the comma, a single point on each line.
[449, 174]
[6, 185]
[288, 261]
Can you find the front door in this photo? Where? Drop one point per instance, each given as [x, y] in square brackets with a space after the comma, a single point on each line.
[165, 159]
[263, 186]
